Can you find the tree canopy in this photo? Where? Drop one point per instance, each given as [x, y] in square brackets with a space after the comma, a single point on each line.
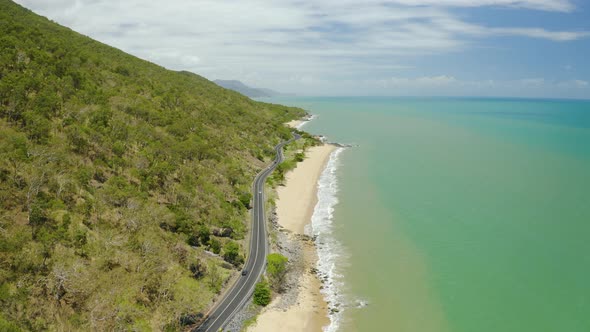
[262, 295]
[276, 269]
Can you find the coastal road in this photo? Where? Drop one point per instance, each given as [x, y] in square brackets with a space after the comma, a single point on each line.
[239, 293]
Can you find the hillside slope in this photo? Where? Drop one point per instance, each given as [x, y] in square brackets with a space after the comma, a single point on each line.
[117, 177]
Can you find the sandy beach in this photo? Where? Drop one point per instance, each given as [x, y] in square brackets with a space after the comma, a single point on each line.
[295, 123]
[294, 208]
[297, 199]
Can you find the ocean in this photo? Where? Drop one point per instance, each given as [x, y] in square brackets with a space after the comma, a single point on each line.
[450, 214]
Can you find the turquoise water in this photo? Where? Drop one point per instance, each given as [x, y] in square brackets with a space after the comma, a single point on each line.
[463, 215]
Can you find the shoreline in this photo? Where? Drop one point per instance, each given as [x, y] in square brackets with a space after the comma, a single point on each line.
[303, 306]
[297, 124]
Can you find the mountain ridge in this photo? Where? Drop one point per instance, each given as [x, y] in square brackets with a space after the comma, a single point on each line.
[246, 90]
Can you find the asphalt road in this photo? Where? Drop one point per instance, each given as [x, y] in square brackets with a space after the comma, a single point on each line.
[241, 291]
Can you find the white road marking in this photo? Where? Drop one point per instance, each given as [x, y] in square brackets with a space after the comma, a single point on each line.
[261, 205]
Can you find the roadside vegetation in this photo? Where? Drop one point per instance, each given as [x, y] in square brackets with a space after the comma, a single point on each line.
[294, 153]
[276, 270]
[124, 187]
[262, 294]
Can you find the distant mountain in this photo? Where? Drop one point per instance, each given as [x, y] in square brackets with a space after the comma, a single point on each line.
[246, 90]
[273, 93]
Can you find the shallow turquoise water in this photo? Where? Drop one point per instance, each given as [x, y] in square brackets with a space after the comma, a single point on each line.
[467, 215]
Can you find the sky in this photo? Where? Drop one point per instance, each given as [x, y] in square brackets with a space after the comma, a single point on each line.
[513, 48]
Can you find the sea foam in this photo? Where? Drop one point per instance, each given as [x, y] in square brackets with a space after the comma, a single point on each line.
[306, 121]
[329, 250]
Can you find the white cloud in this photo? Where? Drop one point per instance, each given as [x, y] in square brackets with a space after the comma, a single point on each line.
[541, 33]
[459, 27]
[574, 85]
[263, 42]
[547, 5]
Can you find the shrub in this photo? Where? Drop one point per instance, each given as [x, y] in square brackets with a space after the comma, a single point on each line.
[7, 326]
[277, 269]
[245, 198]
[231, 253]
[215, 246]
[262, 293]
[197, 269]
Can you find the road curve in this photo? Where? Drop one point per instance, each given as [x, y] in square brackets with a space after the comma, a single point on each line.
[242, 289]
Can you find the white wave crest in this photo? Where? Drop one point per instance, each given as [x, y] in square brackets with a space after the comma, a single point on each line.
[306, 121]
[330, 251]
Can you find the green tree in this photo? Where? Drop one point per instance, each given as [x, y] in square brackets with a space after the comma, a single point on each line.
[200, 236]
[276, 269]
[204, 234]
[197, 269]
[37, 127]
[262, 293]
[47, 103]
[231, 253]
[7, 326]
[117, 190]
[299, 156]
[245, 198]
[37, 217]
[13, 152]
[77, 140]
[215, 245]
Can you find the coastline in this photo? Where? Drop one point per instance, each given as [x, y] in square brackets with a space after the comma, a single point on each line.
[295, 123]
[298, 124]
[306, 309]
[297, 199]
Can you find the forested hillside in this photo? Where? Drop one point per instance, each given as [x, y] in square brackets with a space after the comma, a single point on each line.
[117, 178]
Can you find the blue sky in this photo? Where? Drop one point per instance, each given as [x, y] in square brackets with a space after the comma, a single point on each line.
[519, 48]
